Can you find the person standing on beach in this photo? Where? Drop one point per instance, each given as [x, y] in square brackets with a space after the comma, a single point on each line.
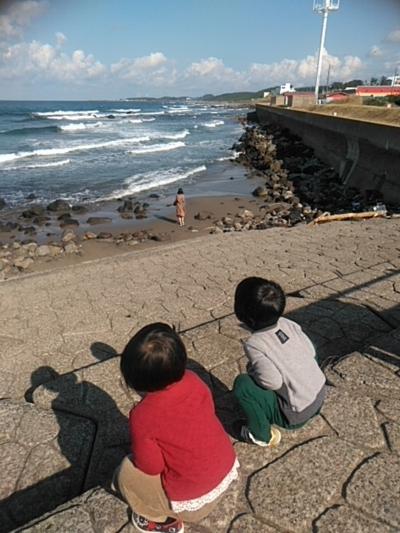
[180, 205]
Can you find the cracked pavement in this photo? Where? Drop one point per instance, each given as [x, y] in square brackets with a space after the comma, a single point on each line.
[61, 332]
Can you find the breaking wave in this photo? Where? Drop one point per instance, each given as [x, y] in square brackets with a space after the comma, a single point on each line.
[213, 123]
[41, 165]
[150, 180]
[157, 148]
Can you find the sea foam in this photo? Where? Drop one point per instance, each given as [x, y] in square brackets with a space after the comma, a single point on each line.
[157, 148]
[4, 158]
[213, 123]
[150, 180]
[41, 165]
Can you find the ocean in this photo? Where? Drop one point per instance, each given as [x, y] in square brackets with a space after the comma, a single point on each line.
[91, 151]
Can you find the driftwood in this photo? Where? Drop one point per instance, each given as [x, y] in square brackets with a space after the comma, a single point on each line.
[348, 216]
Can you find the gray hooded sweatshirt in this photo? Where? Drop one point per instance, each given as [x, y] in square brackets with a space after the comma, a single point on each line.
[282, 359]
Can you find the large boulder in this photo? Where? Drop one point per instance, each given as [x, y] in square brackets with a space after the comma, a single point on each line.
[58, 206]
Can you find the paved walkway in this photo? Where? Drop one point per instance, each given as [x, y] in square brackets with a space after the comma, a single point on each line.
[63, 409]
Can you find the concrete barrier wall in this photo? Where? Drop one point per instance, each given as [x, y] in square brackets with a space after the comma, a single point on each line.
[366, 155]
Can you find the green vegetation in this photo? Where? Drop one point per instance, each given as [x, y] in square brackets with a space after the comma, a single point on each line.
[382, 100]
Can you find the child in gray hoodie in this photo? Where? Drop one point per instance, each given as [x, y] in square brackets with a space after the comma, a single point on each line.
[284, 385]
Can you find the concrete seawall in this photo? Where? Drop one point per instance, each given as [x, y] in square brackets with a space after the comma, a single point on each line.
[365, 154]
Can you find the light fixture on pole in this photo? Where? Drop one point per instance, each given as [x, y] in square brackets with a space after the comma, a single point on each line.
[323, 7]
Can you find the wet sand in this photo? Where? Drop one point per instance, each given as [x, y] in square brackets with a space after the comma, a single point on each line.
[224, 190]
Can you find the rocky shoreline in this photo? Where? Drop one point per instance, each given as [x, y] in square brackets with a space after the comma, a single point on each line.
[296, 188]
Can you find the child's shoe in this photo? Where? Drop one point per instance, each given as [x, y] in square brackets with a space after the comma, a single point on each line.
[171, 525]
[246, 436]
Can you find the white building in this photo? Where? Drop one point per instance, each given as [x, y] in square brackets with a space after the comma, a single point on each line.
[287, 88]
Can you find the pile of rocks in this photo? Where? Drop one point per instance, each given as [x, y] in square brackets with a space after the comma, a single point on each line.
[298, 186]
[17, 257]
[129, 209]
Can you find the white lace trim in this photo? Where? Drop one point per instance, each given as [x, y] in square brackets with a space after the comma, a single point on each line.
[197, 503]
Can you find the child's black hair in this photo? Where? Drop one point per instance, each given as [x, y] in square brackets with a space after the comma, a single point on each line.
[259, 303]
[180, 191]
[154, 358]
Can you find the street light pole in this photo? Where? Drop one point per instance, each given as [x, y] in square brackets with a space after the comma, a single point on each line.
[323, 7]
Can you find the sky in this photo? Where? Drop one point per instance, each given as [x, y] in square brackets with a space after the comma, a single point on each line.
[95, 49]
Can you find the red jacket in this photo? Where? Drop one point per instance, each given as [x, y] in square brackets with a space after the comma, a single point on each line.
[176, 433]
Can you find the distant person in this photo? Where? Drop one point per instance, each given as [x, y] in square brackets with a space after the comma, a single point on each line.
[284, 385]
[180, 205]
[182, 460]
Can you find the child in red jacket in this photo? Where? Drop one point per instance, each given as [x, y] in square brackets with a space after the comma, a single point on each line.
[182, 460]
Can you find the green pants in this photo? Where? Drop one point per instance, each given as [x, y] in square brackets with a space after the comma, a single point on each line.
[261, 407]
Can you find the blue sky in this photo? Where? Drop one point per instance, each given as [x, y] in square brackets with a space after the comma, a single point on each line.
[103, 49]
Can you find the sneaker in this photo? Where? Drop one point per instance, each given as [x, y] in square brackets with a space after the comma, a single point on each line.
[247, 436]
[171, 525]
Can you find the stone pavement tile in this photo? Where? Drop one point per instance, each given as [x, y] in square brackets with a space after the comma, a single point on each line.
[232, 328]
[74, 519]
[353, 419]
[374, 488]
[97, 392]
[345, 519]
[386, 349]
[337, 327]
[199, 332]
[298, 487]
[390, 408]
[253, 458]
[233, 503]
[214, 350]
[317, 292]
[95, 511]
[363, 376]
[225, 374]
[393, 434]
[248, 524]
[44, 456]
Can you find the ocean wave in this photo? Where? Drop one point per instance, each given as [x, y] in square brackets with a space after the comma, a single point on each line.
[213, 123]
[234, 155]
[41, 165]
[25, 131]
[150, 180]
[4, 158]
[157, 148]
[131, 110]
[62, 113]
[178, 110]
[66, 115]
[74, 118]
[80, 126]
[179, 135]
[145, 113]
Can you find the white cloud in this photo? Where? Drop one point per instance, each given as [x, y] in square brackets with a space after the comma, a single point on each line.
[18, 16]
[60, 39]
[44, 60]
[154, 69]
[213, 72]
[393, 36]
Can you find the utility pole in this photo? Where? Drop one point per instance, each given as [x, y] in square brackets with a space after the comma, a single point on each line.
[323, 7]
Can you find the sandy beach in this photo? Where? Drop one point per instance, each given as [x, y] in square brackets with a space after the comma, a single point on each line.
[224, 190]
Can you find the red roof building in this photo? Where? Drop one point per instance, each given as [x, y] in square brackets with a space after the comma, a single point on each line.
[378, 90]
